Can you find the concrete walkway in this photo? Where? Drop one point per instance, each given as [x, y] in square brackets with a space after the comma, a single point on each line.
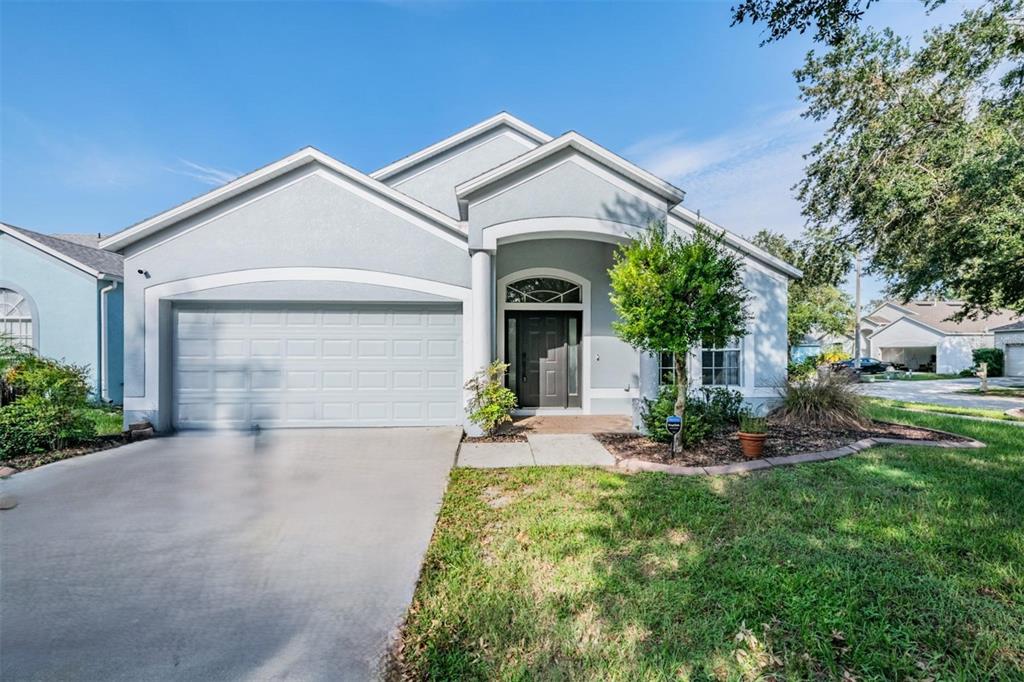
[541, 449]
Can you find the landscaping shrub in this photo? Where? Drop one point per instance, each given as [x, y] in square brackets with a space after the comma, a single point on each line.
[994, 358]
[492, 403]
[44, 404]
[33, 424]
[803, 369]
[830, 400]
[711, 410]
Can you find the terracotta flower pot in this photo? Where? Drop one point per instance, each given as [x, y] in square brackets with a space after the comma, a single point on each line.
[752, 444]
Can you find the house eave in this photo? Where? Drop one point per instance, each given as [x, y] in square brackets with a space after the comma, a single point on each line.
[64, 258]
[303, 157]
[501, 119]
[571, 140]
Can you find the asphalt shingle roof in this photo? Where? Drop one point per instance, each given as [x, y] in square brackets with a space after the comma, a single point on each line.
[78, 250]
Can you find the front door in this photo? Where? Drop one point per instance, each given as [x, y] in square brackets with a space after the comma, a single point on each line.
[544, 358]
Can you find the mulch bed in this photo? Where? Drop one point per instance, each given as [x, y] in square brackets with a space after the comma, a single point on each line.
[507, 433]
[23, 462]
[782, 440]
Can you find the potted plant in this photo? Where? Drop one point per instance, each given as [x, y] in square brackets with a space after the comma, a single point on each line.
[753, 431]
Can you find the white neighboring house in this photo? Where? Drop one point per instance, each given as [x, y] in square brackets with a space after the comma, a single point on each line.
[817, 342]
[921, 335]
[1010, 338]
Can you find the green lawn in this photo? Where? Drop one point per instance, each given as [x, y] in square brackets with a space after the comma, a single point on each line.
[944, 409]
[1006, 391]
[107, 420]
[897, 563]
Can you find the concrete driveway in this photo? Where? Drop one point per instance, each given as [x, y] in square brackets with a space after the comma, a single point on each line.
[292, 554]
[944, 392]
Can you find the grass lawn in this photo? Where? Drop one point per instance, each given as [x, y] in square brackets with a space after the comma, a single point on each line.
[106, 419]
[925, 376]
[1007, 391]
[943, 409]
[897, 563]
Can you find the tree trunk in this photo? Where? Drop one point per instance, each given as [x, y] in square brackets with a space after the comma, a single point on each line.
[679, 363]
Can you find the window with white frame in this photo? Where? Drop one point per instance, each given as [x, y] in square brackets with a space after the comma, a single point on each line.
[666, 369]
[15, 319]
[721, 366]
[543, 290]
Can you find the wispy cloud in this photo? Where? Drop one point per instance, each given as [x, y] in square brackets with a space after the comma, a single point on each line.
[740, 177]
[206, 174]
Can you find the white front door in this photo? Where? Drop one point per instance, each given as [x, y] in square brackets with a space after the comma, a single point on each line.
[294, 364]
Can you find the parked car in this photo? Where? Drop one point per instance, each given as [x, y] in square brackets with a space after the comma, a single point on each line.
[867, 366]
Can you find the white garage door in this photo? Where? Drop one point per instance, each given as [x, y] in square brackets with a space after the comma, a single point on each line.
[1014, 361]
[317, 365]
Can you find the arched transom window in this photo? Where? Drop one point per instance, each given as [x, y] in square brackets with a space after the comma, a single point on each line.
[543, 290]
[15, 319]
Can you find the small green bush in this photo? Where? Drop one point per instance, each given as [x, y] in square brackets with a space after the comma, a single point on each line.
[751, 424]
[711, 410]
[55, 381]
[830, 400]
[803, 369]
[33, 424]
[994, 358]
[492, 403]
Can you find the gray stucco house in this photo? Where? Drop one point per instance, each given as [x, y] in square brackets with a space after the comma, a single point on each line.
[61, 296]
[309, 293]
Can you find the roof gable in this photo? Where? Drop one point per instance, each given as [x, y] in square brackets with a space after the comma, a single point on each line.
[93, 261]
[423, 156]
[301, 158]
[580, 145]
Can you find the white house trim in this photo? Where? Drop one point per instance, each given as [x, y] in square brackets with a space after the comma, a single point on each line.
[691, 219]
[584, 307]
[555, 228]
[247, 182]
[573, 140]
[154, 294]
[64, 258]
[589, 165]
[458, 240]
[527, 142]
[500, 119]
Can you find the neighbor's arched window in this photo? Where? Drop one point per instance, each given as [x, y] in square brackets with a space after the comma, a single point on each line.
[15, 319]
[543, 290]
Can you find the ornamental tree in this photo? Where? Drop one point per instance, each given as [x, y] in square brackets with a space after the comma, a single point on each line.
[673, 293]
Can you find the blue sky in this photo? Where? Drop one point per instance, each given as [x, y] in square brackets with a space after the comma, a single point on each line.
[112, 112]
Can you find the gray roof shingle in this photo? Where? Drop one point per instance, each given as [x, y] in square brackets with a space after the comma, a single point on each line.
[91, 257]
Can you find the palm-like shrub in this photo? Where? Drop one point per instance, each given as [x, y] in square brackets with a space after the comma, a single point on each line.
[830, 400]
[490, 402]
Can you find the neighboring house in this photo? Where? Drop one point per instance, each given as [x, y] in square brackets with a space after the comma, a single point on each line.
[817, 342]
[308, 293]
[920, 335]
[61, 296]
[1010, 338]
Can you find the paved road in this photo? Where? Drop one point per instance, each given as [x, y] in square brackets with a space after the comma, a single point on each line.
[945, 392]
[219, 557]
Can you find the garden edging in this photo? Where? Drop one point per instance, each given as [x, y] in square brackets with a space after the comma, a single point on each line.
[634, 464]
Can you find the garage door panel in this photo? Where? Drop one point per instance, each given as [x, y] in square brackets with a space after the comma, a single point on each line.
[282, 365]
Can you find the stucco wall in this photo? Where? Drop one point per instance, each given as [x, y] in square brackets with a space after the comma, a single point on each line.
[567, 185]
[766, 330]
[309, 218]
[66, 300]
[434, 181]
[115, 342]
